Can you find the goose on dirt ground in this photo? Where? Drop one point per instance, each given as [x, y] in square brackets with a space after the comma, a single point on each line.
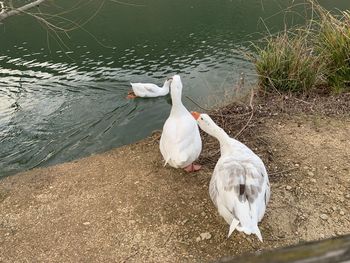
[180, 142]
[239, 186]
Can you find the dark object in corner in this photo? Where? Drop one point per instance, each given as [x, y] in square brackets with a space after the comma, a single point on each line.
[326, 251]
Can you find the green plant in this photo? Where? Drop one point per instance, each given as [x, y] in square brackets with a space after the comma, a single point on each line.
[286, 63]
[333, 47]
[316, 54]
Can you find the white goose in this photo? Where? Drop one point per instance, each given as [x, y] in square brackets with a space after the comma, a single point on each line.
[148, 90]
[239, 187]
[180, 143]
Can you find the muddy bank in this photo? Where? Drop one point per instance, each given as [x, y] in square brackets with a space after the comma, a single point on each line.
[124, 206]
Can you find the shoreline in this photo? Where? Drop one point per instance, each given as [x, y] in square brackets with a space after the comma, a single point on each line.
[123, 205]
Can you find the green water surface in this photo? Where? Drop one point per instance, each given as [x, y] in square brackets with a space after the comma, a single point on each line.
[63, 97]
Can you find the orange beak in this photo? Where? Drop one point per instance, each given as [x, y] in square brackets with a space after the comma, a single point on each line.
[195, 114]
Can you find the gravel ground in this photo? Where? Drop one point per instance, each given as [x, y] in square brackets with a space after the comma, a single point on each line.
[124, 206]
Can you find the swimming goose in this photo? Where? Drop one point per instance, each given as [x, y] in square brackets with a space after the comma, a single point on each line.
[239, 186]
[180, 142]
[148, 90]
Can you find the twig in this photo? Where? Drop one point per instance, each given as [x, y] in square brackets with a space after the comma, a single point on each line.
[251, 115]
[2, 7]
[19, 10]
[126, 3]
[131, 256]
[231, 115]
[306, 102]
[168, 237]
[284, 171]
[196, 103]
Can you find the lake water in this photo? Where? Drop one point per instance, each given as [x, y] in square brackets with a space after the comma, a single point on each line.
[63, 100]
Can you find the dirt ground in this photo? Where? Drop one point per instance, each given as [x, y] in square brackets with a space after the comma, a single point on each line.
[124, 206]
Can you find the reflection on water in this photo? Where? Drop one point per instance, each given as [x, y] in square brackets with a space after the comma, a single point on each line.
[56, 106]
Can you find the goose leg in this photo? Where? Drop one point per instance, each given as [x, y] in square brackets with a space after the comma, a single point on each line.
[192, 168]
[131, 95]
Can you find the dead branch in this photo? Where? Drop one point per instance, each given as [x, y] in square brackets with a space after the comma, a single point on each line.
[5, 14]
[197, 104]
[251, 115]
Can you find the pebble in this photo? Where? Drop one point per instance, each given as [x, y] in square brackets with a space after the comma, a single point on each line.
[341, 199]
[313, 180]
[205, 235]
[310, 173]
[288, 187]
[347, 196]
[322, 236]
[184, 222]
[324, 216]
[86, 223]
[342, 212]
[198, 239]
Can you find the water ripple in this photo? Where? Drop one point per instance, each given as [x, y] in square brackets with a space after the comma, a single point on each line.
[60, 105]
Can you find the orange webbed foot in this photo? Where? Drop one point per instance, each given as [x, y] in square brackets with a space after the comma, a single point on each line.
[193, 168]
[131, 95]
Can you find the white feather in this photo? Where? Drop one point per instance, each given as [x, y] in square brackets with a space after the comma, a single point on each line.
[239, 186]
[149, 90]
[180, 143]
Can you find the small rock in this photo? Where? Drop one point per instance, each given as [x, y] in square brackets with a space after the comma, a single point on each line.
[288, 187]
[334, 208]
[131, 222]
[205, 235]
[322, 236]
[310, 173]
[198, 239]
[313, 180]
[86, 223]
[296, 165]
[184, 222]
[203, 213]
[323, 216]
[342, 212]
[347, 196]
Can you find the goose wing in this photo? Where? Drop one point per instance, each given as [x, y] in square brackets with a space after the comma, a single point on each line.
[143, 89]
[180, 141]
[240, 187]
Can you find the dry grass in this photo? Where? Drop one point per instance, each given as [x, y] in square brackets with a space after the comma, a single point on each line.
[235, 117]
[314, 55]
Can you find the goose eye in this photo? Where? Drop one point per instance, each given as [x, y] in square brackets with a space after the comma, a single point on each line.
[201, 118]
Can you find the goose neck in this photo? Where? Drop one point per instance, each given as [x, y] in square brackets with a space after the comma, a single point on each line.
[176, 99]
